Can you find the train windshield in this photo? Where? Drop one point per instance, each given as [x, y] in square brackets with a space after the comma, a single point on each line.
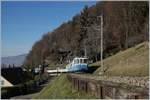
[76, 61]
[79, 60]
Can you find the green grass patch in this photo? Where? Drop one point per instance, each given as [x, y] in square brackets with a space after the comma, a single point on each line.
[61, 88]
[131, 62]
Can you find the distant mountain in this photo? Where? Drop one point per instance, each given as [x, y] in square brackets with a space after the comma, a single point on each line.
[16, 60]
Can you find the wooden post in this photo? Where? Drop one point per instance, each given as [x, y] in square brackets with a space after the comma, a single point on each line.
[86, 86]
[78, 84]
[101, 92]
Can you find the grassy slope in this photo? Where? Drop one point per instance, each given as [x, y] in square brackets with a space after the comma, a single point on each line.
[131, 62]
[61, 88]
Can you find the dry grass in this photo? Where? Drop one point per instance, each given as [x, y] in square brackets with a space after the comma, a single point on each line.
[61, 88]
[131, 62]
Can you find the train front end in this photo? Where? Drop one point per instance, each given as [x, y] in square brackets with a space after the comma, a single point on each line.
[78, 65]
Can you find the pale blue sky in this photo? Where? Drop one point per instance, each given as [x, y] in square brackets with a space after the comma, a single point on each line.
[24, 23]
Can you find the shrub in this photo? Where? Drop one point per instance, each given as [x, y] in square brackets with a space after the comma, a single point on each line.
[8, 92]
[24, 88]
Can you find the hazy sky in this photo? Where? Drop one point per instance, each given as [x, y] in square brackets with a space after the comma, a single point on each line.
[24, 23]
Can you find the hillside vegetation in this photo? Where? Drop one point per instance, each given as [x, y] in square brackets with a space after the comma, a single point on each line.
[125, 25]
[131, 62]
[61, 88]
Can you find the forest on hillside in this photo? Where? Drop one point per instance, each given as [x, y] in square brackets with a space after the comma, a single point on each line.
[126, 23]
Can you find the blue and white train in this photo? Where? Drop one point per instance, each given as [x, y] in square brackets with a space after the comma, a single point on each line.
[78, 64]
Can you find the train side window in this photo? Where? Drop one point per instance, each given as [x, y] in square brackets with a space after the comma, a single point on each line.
[85, 61]
[81, 60]
[78, 61]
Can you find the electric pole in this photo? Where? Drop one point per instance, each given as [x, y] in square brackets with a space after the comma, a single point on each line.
[101, 45]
